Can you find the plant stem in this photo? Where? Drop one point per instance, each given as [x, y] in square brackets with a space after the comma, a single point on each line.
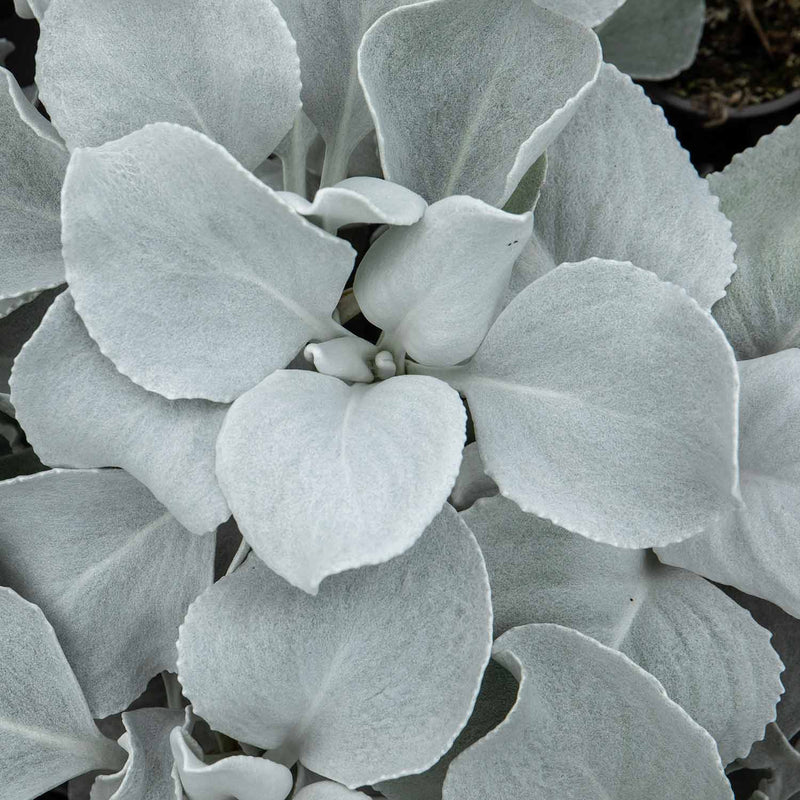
[294, 162]
[239, 557]
[174, 690]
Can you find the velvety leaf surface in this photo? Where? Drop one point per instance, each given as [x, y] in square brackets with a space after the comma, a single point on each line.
[240, 777]
[605, 400]
[587, 12]
[361, 199]
[371, 679]
[32, 166]
[111, 568]
[329, 790]
[47, 734]
[586, 724]
[756, 548]
[78, 411]
[323, 477]
[708, 653]
[147, 775]
[653, 39]
[786, 641]
[496, 698]
[435, 288]
[760, 192]
[227, 68]
[498, 88]
[328, 33]
[190, 274]
[619, 186]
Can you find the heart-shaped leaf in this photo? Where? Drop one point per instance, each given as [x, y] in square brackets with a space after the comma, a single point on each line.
[605, 400]
[47, 734]
[77, 410]
[709, 654]
[78, 542]
[371, 679]
[760, 192]
[324, 477]
[193, 292]
[435, 287]
[227, 68]
[586, 724]
[498, 89]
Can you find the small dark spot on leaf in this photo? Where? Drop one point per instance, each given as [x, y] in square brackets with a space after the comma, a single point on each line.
[631, 599]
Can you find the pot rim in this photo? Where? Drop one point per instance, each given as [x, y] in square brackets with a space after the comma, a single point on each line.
[665, 97]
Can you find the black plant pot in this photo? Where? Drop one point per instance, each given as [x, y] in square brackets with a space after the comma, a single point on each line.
[712, 144]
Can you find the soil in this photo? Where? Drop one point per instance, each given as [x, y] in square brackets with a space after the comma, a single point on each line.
[749, 54]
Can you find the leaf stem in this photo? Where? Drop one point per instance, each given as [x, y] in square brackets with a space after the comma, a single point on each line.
[294, 162]
[174, 690]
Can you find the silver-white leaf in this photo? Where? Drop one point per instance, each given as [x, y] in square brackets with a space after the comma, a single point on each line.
[370, 680]
[227, 68]
[586, 724]
[435, 288]
[77, 410]
[464, 102]
[189, 273]
[111, 568]
[323, 477]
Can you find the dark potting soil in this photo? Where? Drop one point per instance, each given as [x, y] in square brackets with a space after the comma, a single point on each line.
[749, 54]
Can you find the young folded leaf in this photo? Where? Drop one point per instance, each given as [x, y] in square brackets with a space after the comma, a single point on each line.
[227, 68]
[147, 774]
[47, 734]
[619, 186]
[605, 400]
[435, 288]
[323, 477]
[77, 410]
[464, 102]
[78, 542]
[760, 192]
[708, 653]
[756, 547]
[237, 776]
[189, 273]
[371, 679]
[588, 722]
[32, 166]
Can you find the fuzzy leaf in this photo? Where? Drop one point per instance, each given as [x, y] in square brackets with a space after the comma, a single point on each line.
[464, 102]
[760, 192]
[652, 38]
[709, 655]
[605, 400]
[240, 777]
[361, 199]
[113, 571]
[47, 734]
[435, 288]
[619, 186]
[32, 165]
[78, 411]
[189, 273]
[586, 724]
[147, 775]
[328, 790]
[324, 477]
[227, 68]
[371, 679]
[328, 33]
[587, 12]
[472, 481]
[756, 548]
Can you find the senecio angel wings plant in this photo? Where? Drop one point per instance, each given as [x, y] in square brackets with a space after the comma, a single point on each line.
[541, 270]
